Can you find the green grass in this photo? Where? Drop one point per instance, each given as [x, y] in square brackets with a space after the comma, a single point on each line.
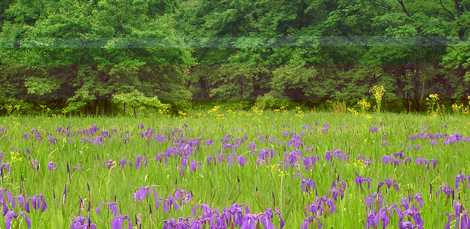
[257, 186]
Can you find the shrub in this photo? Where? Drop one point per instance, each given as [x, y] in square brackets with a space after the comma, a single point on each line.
[136, 102]
[271, 102]
[16, 107]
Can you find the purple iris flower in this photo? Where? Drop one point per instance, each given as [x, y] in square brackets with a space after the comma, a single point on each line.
[265, 155]
[325, 128]
[406, 225]
[122, 163]
[241, 160]
[9, 217]
[109, 164]
[105, 134]
[400, 155]
[160, 138]
[26, 136]
[447, 190]
[374, 201]
[26, 219]
[384, 217]
[389, 183]
[307, 185]
[36, 134]
[336, 154]
[193, 166]
[361, 180]
[81, 222]
[453, 139]
[252, 147]
[51, 166]
[309, 162]
[119, 221]
[292, 158]
[39, 202]
[328, 156]
[139, 161]
[147, 134]
[98, 140]
[322, 206]
[390, 160]
[373, 129]
[372, 220]
[52, 140]
[141, 193]
[460, 178]
[364, 160]
[113, 207]
[419, 199]
[295, 141]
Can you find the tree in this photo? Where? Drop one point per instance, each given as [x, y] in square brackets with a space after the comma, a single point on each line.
[91, 50]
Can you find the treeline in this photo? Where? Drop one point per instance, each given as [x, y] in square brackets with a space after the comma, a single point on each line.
[80, 55]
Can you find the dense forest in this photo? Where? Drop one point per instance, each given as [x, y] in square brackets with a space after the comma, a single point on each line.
[84, 55]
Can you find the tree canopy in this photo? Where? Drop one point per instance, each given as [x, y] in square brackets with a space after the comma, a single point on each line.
[77, 54]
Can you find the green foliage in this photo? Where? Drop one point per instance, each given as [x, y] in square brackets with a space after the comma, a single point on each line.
[75, 55]
[294, 80]
[271, 102]
[16, 107]
[92, 50]
[74, 107]
[40, 86]
[136, 102]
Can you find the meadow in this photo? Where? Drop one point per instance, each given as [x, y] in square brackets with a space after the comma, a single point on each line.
[236, 170]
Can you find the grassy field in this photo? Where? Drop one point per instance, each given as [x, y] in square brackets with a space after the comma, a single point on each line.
[236, 169]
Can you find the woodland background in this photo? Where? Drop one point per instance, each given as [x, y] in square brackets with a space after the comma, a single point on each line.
[99, 56]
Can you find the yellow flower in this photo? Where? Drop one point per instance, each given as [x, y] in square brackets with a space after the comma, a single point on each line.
[359, 164]
[434, 97]
[276, 169]
[15, 156]
[457, 108]
[182, 113]
[364, 104]
[214, 109]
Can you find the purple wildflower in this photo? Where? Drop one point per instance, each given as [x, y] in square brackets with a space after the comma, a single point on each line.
[295, 141]
[110, 164]
[113, 207]
[81, 222]
[119, 221]
[51, 166]
[307, 185]
[325, 128]
[141, 193]
[373, 129]
[139, 161]
[9, 217]
[361, 180]
[160, 138]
